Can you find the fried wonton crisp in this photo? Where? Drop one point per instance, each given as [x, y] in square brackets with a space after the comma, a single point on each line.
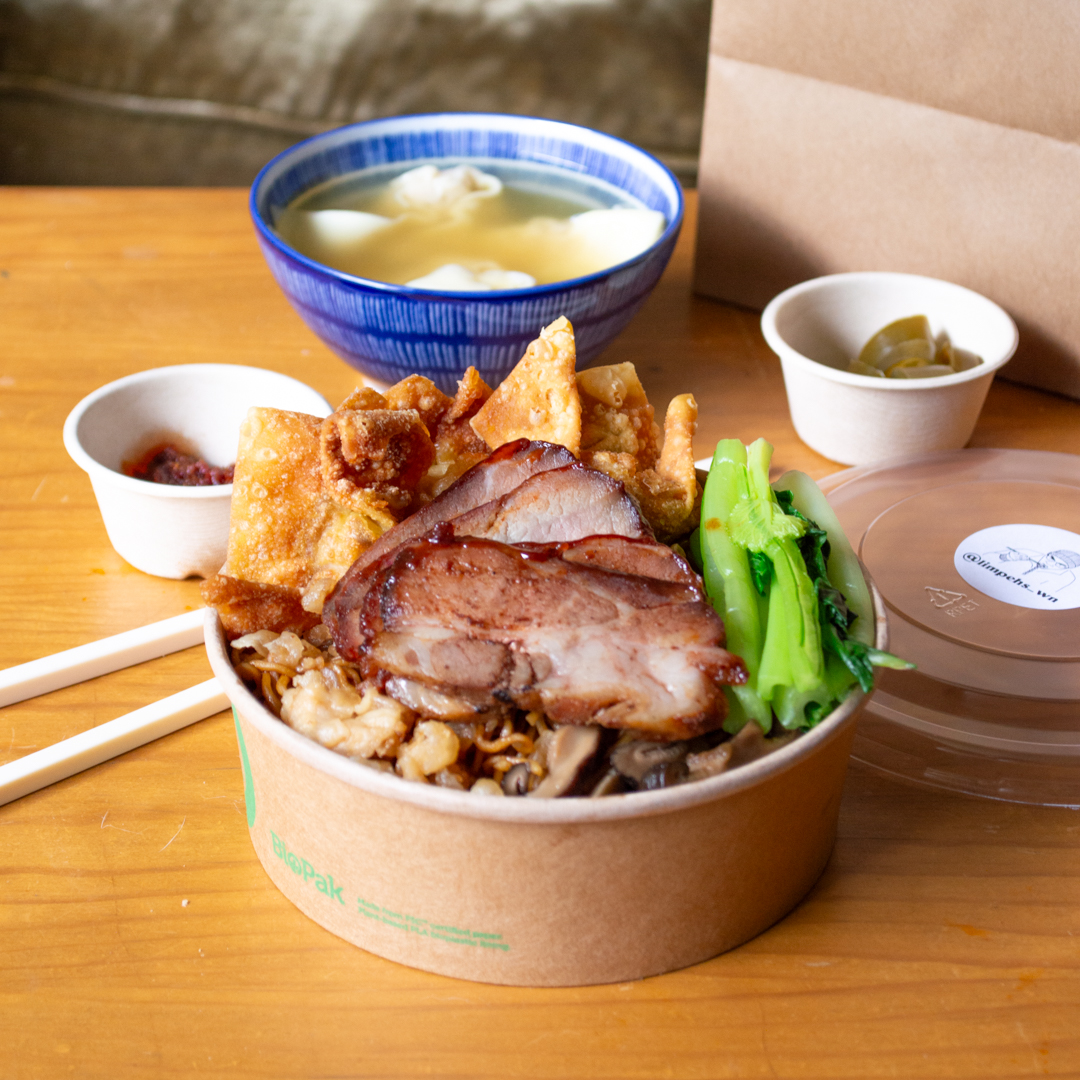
[676, 463]
[603, 416]
[616, 415]
[286, 528]
[539, 399]
[457, 447]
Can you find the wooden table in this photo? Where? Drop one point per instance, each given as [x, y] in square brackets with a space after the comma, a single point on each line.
[139, 937]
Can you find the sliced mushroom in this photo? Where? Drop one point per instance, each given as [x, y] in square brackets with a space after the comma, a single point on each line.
[778, 742]
[569, 752]
[710, 762]
[449, 778]
[664, 774]
[751, 744]
[516, 780]
[748, 745]
[637, 758]
[611, 783]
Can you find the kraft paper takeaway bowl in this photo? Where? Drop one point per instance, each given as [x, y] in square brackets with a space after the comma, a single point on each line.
[532, 892]
[819, 326]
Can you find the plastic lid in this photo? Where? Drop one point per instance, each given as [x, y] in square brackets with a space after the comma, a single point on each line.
[977, 554]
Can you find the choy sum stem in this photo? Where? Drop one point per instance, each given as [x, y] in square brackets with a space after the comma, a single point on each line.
[767, 571]
[728, 580]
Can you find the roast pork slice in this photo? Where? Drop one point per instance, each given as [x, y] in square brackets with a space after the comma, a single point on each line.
[542, 626]
[639, 560]
[500, 472]
[561, 504]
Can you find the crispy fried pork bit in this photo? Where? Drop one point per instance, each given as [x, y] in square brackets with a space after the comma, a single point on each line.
[363, 397]
[421, 394]
[380, 454]
[563, 628]
[247, 606]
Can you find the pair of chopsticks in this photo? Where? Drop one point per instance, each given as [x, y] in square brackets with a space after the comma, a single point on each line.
[108, 740]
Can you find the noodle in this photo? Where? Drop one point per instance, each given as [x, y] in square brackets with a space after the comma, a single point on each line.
[310, 687]
[508, 737]
[483, 744]
[269, 692]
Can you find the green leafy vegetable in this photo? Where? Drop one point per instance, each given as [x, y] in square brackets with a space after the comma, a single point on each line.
[728, 581]
[761, 570]
[842, 562]
[791, 654]
[834, 616]
[767, 565]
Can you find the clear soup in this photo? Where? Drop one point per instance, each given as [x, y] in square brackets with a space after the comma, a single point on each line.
[521, 224]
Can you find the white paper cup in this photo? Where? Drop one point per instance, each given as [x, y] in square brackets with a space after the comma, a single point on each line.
[173, 532]
[538, 892]
[818, 327]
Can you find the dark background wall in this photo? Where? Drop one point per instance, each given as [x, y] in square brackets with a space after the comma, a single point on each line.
[206, 91]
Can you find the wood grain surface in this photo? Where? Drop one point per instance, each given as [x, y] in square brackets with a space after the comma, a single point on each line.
[139, 937]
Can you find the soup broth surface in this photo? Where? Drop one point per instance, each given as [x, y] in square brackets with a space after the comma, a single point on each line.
[525, 219]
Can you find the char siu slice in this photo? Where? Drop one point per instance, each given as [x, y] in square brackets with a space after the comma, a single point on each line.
[542, 626]
[500, 472]
[560, 500]
[560, 504]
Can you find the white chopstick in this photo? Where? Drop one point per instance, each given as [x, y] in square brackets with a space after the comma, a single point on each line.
[100, 657]
[108, 740]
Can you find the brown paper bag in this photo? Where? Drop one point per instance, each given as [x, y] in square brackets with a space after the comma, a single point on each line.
[937, 137]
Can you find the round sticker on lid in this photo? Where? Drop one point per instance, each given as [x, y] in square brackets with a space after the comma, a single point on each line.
[1028, 566]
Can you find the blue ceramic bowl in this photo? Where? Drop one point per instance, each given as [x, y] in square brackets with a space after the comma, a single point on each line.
[391, 331]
